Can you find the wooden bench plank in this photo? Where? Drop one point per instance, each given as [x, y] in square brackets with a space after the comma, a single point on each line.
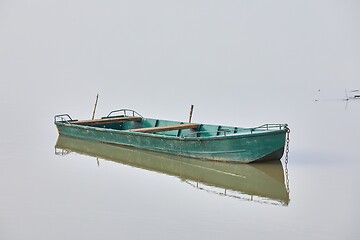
[107, 120]
[165, 128]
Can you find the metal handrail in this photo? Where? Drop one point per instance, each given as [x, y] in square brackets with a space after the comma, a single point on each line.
[264, 127]
[270, 126]
[124, 110]
[63, 118]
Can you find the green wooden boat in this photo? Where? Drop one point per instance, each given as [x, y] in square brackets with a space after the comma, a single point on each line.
[204, 141]
[262, 182]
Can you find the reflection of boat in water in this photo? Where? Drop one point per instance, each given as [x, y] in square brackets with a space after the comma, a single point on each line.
[260, 182]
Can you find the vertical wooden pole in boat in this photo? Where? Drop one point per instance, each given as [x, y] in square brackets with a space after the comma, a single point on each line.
[93, 115]
[191, 112]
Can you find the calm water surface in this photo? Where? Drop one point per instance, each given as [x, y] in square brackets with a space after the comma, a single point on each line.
[61, 188]
[241, 63]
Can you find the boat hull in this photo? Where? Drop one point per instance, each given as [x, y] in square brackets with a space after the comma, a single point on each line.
[240, 148]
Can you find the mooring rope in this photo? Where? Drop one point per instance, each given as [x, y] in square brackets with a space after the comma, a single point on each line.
[287, 160]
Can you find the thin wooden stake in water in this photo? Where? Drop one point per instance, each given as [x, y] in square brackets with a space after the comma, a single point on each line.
[191, 112]
[96, 101]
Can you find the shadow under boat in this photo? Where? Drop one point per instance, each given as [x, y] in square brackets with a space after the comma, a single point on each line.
[262, 182]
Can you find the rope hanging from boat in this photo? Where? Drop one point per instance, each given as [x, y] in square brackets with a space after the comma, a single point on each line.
[287, 160]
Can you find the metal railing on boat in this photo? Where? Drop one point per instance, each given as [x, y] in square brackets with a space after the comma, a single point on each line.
[225, 131]
[270, 126]
[63, 118]
[125, 113]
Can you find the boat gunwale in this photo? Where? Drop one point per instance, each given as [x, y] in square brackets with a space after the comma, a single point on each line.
[254, 133]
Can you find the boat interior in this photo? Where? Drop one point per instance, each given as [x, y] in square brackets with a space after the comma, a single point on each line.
[131, 121]
[158, 126]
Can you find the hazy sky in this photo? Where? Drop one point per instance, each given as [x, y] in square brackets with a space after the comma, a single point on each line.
[240, 56]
